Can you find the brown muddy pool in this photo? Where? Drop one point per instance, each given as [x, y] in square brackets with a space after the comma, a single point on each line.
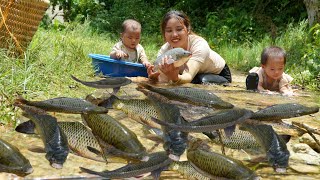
[234, 94]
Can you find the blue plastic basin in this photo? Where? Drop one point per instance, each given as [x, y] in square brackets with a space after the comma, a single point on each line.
[117, 68]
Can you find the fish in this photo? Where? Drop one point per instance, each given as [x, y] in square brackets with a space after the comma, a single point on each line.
[175, 141]
[274, 146]
[218, 120]
[177, 56]
[187, 170]
[140, 110]
[114, 138]
[157, 162]
[195, 96]
[215, 165]
[78, 135]
[109, 82]
[64, 105]
[12, 160]
[53, 138]
[284, 111]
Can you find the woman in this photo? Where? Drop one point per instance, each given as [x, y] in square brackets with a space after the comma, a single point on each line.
[204, 66]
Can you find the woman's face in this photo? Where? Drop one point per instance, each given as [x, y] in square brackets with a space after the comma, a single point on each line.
[176, 33]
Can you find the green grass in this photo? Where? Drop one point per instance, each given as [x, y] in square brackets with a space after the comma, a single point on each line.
[53, 55]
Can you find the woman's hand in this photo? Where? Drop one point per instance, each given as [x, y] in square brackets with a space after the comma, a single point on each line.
[151, 74]
[169, 70]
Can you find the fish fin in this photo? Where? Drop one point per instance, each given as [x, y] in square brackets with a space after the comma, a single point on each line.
[27, 127]
[89, 171]
[76, 79]
[228, 131]
[183, 120]
[94, 150]
[162, 123]
[108, 102]
[156, 173]
[116, 90]
[37, 149]
[285, 137]
[186, 67]
[20, 100]
[211, 135]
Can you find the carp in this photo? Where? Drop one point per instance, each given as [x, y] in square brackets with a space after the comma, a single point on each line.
[109, 82]
[64, 105]
[78, 135]
[177, 56]
[219, 120]
[53, 138]
[214, 165]
[12, 161]
[274, 146]
[175, 141]
[157, 162]
[190, 95]
[114, 138]
[283, 111]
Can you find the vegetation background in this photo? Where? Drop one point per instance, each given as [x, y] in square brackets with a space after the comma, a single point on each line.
[236, 29]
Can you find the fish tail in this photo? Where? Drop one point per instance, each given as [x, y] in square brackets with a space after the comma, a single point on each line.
[27, 127]
[20, 100]
[108, 102]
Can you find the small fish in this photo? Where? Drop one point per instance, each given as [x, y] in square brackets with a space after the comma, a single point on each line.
[214, 165]
[195, 96]
[64, 105]
[12, 161]
[157, 162]
[219, 120]
[187, 170]
[175, 141]
[177, 56]
[115, 138]
[283, 111]
[274, 146]
[109, 82]
[54, 139]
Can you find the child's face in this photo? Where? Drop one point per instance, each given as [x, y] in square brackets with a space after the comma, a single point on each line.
[274, 67]
[131, 38]
[176, 33]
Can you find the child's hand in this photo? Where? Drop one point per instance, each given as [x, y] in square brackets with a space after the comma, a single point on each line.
[120, 54]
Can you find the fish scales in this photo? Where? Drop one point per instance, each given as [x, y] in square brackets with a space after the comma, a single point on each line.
[12, 161]
[274, 146]
[114, 133]
[140, 110]
[190, 95]
[238, 140]
[54, 139]
[187, 170]
[215, 165]
[283, 111]
[65, 105]
[157, 161]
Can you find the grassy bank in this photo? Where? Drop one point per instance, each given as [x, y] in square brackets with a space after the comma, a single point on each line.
[53, 55]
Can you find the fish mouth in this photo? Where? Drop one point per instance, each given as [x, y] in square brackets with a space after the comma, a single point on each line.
[174, 157]
[57, 166]
[145, 158]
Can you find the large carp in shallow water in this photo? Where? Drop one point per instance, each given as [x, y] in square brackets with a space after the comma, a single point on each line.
[64, 105]
[109, 82]
[190, 95]
[140, 110]
[12, 161]
[274, 146]
[283, 111]
[53, 138]
[214, 165]
[175, 141]
[78, 135]
[115, 138]
[219, 120]
[157, 162]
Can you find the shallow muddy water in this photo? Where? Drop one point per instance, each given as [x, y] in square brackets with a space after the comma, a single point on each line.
[234, 94]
